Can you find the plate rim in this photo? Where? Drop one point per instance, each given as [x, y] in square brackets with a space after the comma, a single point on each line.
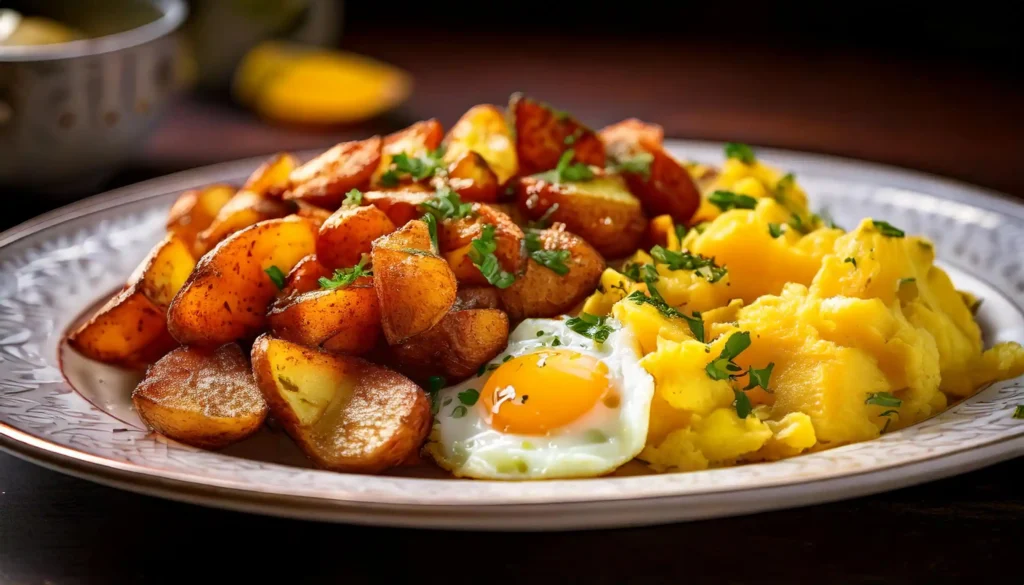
[51, 454]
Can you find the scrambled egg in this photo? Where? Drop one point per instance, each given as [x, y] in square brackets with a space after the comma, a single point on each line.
[770, 334]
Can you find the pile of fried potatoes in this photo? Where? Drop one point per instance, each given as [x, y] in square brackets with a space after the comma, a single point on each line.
[381, 267]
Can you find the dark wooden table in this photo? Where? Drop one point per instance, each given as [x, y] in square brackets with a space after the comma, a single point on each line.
[951, 118]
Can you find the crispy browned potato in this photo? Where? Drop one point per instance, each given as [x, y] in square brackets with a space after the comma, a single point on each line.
[457, 346]
[305, 277]
[484, 130]
[349, 233]
[418, 139]
[131, 328]
[541, 292]
[345, 413]
[455, 239]
[415, 287]
[400, 205]
[246, 208]
[349, 315]
[601, 211]
[227, 295]
[472, 179]
[202, 398]
[313, 214]
[477, 297]
[543, 134]
[271, 179]
[665, 187]
[326, 179]
[195, 209]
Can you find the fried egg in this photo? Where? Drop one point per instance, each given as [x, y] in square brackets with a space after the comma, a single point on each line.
[554, 404]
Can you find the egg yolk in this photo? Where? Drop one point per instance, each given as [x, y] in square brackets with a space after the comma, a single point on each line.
[535, 393]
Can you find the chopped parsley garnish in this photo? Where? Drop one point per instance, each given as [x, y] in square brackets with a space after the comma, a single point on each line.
[540, 334]
[888, 418]
[786, 183]
[544, 220]
[726, 200]
[680, 230]
[590, 326]
[418, 168]
[640, 272]
[975, 306]
[506, 358]
[554, 260]
[639, 164]
[435, 383]
[446, 204]
[353, 198]
[345, 276]
[883, 399]
[481, 253]
[276, 276]
[696, 323]
[459, 411]
[431, 222]
[743, 406]
[740, 152]
[851, 260]
[907, 280]
[775, 230]
[760, 378]
[469, 396]
[1018, 413]
[886, 229]
[723, 367]
[568, 171]
[797, 223]
[702, 265]
[556, 342]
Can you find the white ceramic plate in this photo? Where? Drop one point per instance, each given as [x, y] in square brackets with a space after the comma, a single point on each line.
[57, 266]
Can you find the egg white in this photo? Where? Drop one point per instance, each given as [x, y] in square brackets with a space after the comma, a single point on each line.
[597, 443]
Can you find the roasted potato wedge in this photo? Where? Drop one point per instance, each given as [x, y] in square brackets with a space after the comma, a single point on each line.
[326, 179]
[484, 130]
[601, 211]
[246, 208]
[418, 139]
[305, 277]
[632, 130]
[351, 315]
[541, 292]
[415, 287]
[203, 398]
[400, 205]
[131, 328]
[271, 179]
[455, 239]
[477, 297]
[345, 413]
[349, 233]
[543, 134]
[226, 297]
[457, 346]
[313, 214]
[472, 179]
[195, 210]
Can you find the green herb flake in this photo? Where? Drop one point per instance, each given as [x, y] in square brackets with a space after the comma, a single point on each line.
[446, 204]
[680, 230]
[590, 326]
[417, 168]
[276, 276]
[568, 171]
[702, 265]
[1018, 412]
[797, 223]
[435, 383]
[760, 378]
[545, 220]
[740, 152]
[726, 200]
[481, 253]
[695, 323]
[353, 198]
[556, 342]
[723, 367]
[540, 334]
[639, 164]
[743, 406]
[459, 411]
[851, 260]
[782, 188]
[775, 230]
[346, 276]
[431, 222]
[469, 396]
[886, 229]
[553, 260]
[389, 178]
[883, 399]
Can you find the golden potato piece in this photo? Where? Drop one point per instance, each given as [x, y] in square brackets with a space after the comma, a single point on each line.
[271, 179]
[484, 130]
[202, 398]
[195, 210]
[418, 139]
[401, 205]
[131, 328]
[313, 214]
[349, 233]
[246, 208]
[326, 179]
[227, 295]
[345, 413]
[472, 179]
[601, 211]
[455, 239]
[541, 292]
[305, 277]
[415, 287]
[349, 317]
[543, 134]
[457, 346]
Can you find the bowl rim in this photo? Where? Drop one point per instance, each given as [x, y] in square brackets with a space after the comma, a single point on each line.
[173, 13]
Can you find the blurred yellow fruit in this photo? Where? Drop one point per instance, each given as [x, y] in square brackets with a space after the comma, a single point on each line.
[293, 83]
[16, 29]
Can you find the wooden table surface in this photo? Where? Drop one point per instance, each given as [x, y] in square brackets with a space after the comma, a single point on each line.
[944, 117]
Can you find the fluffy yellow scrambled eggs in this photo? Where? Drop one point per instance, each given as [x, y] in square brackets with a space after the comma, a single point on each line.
[770, 334]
